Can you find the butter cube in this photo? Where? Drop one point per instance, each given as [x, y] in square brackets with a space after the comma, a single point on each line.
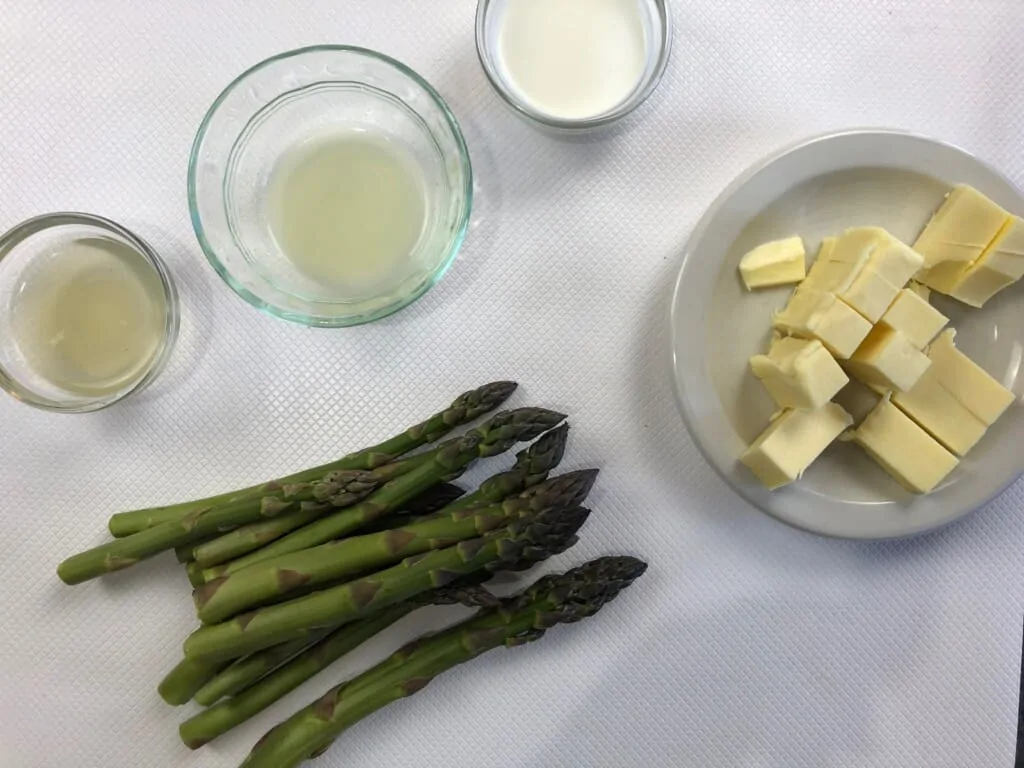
[920, 289]
[839, 262]
[888, 360]
[944, 417]
[799, 373]
[1001, 265]
[956, 236]
[904, 449]
[978, 392]
[890, 264]
[817, 315]
[915, 318]
[776, 263]
[792, 442]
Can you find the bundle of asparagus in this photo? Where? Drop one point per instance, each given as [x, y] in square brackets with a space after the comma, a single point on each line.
[291, 575]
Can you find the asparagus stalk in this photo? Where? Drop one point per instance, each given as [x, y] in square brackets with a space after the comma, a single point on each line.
[185, 680]
[340, 488]
[553, 600]
[447, 462]
[532, 467]
[424, 505]
[241, 541]
[243, 673]
[275, 678]
[467, 407]
[273, 579]
[281, 623]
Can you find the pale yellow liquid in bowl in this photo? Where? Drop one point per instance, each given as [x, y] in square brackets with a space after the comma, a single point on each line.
[89, 317]
[348, 211]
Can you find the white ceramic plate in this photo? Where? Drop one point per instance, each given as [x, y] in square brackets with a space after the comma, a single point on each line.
[815, 189]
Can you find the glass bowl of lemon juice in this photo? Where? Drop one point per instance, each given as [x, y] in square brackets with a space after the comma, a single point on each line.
[90, 312]
[330, 186]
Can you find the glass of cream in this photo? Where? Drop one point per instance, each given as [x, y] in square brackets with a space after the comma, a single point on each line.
[89, 312]
[573, 65]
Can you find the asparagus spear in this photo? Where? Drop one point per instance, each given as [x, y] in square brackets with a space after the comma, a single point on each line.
[186, 679]
[532, 466]
[328, 646]
[467, 407]
[272, 579]
[424, 505]
[493, 437]
[571, 597]
[339, 488]
[242, 673]
[281, 623]
[249, 538]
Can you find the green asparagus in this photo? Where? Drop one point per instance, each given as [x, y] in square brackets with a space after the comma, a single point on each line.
[493, 437]
[467, 407]
[281, 623]
[272, 579]
[553, 600]
[252, 689]
[242, 673]
[424, 505]
[188, 677]
[241, 541]
[532, 466]
[340, 488]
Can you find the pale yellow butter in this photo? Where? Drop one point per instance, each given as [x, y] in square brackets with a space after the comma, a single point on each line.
[888, 360]
[904, 449]
[944, 417]
[817, 315]
[792, 442]
[920, 289]
[866, 267]
[839, 262]
[956, 236]
[915, 318]
[799, 373]
[968, 382]
[776, 263]
[890, 264]
[1001, 265]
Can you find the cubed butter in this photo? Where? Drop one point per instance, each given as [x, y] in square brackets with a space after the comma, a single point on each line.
[1001, 265]
[915, 318]
[888, 360]
[967, 381]
[777, 263]
[904, 449]
[945, 418]
[890, 264]
[920, 289]
[961, 229]
[799, 373]
[839, 262]
[792, 442]
[817, 315]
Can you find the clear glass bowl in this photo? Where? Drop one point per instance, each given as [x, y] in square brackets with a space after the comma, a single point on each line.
[22, 249]
[298, 97]
[657, 23]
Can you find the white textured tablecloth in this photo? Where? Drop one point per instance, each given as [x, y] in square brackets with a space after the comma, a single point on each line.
[748, 645]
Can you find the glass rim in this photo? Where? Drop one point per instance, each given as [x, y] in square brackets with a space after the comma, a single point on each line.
[334, 321]
[625, 108]
[172, 314]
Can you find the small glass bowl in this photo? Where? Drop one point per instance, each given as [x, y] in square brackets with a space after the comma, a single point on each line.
[20, 249]
[658, 25]
[302, 96]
